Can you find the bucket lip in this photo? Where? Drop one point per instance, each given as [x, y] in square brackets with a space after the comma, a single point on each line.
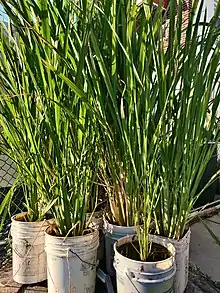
[63, 238]
[118, 226]
[13, 220]
[171, 258]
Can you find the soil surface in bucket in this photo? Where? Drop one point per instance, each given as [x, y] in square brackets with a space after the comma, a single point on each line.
[131, 251]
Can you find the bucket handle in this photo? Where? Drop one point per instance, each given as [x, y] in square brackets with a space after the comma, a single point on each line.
[133, 279]
[86, 262]
[74, 253]
[126, 272]
[171, 269]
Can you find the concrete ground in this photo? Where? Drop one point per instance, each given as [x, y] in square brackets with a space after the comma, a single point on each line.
[204, 252]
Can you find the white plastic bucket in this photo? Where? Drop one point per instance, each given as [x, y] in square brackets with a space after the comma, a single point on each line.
[71, 263]
[28, 255]
[182, 260]
[112, 234]
[96, 222]
[144, 277]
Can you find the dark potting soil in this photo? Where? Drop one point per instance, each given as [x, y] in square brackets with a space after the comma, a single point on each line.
[131, 251]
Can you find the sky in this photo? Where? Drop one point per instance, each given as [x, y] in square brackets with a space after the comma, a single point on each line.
[2, 14]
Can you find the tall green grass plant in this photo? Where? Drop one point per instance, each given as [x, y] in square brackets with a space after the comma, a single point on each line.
[55, 151]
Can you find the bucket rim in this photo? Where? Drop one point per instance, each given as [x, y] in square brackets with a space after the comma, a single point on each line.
[118, 226]
[63, 238]
[171, 258]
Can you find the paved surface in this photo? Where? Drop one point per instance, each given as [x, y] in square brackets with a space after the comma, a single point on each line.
[204, 252]
[13, 287]
[198, 283]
